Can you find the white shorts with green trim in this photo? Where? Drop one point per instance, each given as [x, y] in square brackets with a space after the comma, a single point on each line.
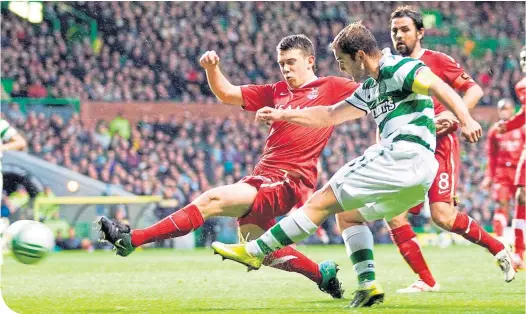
[386, 180]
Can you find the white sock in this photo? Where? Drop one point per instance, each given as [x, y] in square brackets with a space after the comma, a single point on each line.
[291, 229]
[359, 244]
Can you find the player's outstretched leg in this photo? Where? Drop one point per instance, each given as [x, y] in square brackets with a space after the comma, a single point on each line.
[323, 274]
[289, 259]
[447, 217]
[126, 240]
[297, 227]
[294, 228]
[231, 200]
[359, 245]
[519, 226]
[405, 239]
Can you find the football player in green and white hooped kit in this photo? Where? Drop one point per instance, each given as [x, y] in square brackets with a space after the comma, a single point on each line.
[390, 176]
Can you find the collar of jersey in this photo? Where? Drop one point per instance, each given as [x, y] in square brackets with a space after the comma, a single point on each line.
[421, 54]
[302, 86]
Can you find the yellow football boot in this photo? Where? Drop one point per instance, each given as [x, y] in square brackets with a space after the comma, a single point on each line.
[365, 297]
[237, 253]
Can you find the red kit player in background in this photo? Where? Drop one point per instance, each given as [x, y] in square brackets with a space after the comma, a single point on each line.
[288, 161]
[504, 151]
[407, 31]
[505, 127]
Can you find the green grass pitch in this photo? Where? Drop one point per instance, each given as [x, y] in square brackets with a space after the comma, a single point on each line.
[168, 281]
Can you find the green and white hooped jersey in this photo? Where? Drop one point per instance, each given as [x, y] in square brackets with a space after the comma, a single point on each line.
[401, 114]
[6, 133]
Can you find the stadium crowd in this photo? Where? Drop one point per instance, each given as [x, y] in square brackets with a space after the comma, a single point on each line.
[180, 158]
[147, 53]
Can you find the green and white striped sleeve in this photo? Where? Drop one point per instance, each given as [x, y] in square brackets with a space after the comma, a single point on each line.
[401, 75]
[361, 97]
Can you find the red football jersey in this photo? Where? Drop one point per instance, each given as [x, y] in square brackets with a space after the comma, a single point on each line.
[504, 150]
[290, 146]
[449, 71]
[518, 119]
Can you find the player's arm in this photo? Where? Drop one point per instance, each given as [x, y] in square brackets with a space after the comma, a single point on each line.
[426, 82]
[220, 86]
[10, 137]
[472, 96]
[17, 142]
[517, 121]
[455, 76]
[313, 117]
[492, 151]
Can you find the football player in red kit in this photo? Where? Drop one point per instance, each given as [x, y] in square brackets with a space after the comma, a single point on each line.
[515, 123]
[407, 31]
[288, 161]
[504, 151]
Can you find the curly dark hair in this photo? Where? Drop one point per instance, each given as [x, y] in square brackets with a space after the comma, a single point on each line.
[410, 12]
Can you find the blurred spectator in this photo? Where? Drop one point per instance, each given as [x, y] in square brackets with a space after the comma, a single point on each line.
[121, 214]
[72, 242]
[120, 126]
[19, 199]
[59, 241]
[7, 208]
[48, 211]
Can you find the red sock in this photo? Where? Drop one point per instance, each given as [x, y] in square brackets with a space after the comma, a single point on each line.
[500, 221]
[518, 224]
[469, 229]
[289, 259]
[405, 238]
[177, 224]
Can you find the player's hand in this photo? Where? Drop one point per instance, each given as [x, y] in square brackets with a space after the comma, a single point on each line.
[445, 123]
[268, 115]
[209, 60]
[500, 126]
[471, 131]
[486, 183]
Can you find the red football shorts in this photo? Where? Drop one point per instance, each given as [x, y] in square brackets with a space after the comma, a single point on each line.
[447, 154]
[277, 195]
[520, 174]
[503, 187]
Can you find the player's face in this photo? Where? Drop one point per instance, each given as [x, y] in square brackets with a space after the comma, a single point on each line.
[404, 35]
[523, 60]
[354, 68]
[295, 66]
[506, 111]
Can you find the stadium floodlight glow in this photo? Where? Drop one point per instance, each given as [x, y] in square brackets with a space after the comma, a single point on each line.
[72, 186]
[31, 11]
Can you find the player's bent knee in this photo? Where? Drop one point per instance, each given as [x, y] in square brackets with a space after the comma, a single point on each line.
[398, 221]
[344, 221]
[209, 203]
[443, 214]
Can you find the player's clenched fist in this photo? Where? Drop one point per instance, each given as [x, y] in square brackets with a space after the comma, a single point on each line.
[471, 131]
[268, 115]
[209, 60]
